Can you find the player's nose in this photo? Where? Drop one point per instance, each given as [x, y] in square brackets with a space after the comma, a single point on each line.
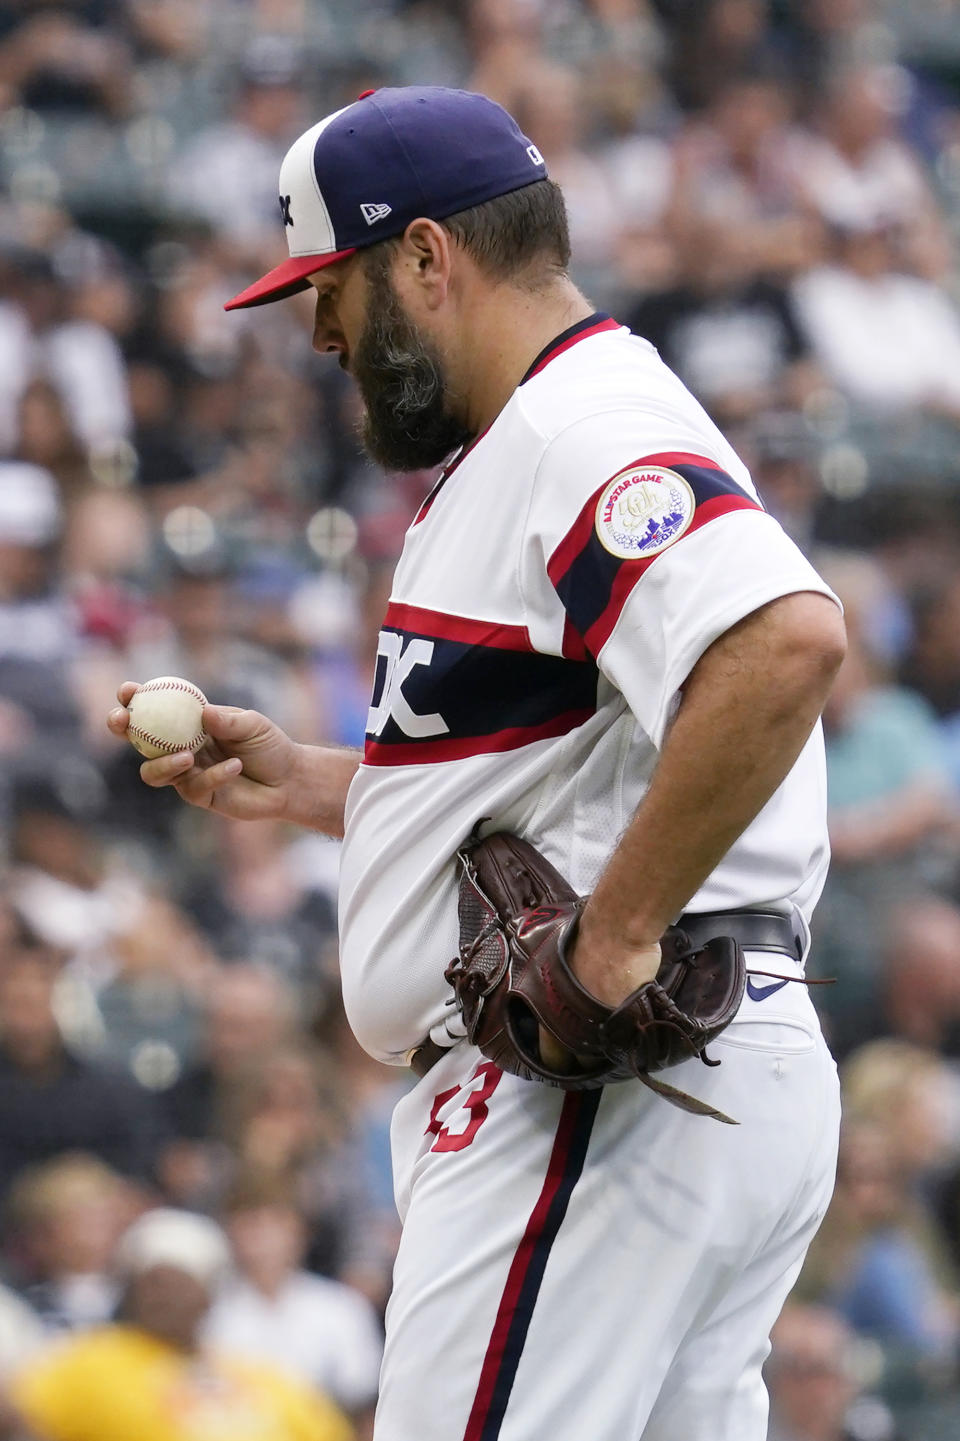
[328, 338]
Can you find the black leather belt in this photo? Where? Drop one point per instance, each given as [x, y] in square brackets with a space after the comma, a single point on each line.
[755, 930]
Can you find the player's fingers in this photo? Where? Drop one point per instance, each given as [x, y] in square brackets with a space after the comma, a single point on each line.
[117, 720]
[199, 786]
[166, 770]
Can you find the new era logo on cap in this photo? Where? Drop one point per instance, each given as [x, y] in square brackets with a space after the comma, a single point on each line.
[373, 213]
[427, 150]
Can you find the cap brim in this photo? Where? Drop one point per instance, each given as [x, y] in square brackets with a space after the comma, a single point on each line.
[286, 279]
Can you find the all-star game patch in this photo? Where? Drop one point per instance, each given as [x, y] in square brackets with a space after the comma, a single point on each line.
[643, 510]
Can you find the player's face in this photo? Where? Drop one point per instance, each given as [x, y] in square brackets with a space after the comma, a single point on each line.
[408, 422]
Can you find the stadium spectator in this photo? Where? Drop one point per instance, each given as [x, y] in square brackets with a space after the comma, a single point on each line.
[634, 111]
[325, 1333]
[880, 1259]
[907, 1092]
[66, 1217]
[889, 341]
[549, 107]
[731, 335]
[931, 665]
[249, 1011]
[505, 39]
[45, 437]
[292, 1123]
[201, 626]
[859, 175]
[921, 992]
[732, 169]
[889, 785]
[814, 1381]
[712, 40]
[58, 62]
[36, 629]
[64, 297]
[148, 1375]
[79, 895]
[892, 808]
[228, 174]
[258, 906]
[50, 1101]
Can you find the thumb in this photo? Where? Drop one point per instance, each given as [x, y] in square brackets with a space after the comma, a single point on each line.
[233, 723]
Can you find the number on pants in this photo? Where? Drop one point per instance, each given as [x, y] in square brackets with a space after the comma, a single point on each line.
[456, 1133]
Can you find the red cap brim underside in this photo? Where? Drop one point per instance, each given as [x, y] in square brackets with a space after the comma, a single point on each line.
[286, 279]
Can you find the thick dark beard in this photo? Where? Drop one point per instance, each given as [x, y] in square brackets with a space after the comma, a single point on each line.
[407, 425]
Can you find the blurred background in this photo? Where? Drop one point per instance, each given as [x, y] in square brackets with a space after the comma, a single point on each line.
[767, 189]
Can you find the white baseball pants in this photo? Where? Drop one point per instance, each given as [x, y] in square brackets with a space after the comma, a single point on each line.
[602, 1266]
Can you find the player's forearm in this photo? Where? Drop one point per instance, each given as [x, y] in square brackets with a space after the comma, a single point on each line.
[748, 708]
[317, 795]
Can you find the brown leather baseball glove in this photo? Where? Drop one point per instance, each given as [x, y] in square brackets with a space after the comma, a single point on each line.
[518, 917]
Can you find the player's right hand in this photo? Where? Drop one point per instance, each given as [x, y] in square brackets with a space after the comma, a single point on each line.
[246, 768]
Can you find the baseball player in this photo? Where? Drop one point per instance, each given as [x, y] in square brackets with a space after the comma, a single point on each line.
[598, 641]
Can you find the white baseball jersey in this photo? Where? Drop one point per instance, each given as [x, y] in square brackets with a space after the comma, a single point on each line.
[553, 594]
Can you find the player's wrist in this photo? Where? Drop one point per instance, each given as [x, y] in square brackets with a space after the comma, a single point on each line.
[316, 790]
[616, 936]
[611, 965]
[300, 788]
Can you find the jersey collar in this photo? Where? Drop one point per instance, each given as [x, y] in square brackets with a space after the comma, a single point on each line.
[592, 325]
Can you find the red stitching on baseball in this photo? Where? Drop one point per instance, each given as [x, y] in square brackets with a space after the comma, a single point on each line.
[154, 685]
[167, 746]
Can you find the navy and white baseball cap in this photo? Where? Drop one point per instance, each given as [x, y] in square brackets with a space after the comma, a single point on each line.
[363, 173]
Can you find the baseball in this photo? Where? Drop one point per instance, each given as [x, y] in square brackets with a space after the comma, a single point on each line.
[166, 716]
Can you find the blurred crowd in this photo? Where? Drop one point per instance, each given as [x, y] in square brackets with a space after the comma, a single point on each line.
[198, 1226]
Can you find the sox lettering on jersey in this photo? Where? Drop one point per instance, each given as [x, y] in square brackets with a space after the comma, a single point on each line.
[393, 704]
[449, 686]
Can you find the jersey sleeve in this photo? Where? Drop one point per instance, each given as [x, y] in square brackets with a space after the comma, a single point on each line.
[653, 555]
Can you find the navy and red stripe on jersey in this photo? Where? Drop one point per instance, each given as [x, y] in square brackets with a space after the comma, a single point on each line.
[485, 685]
[593, 584]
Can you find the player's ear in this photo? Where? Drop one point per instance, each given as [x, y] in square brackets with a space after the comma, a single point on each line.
[426, 254]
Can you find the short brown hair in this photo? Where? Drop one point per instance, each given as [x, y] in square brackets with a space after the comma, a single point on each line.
[511, 233]
[521, 236]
